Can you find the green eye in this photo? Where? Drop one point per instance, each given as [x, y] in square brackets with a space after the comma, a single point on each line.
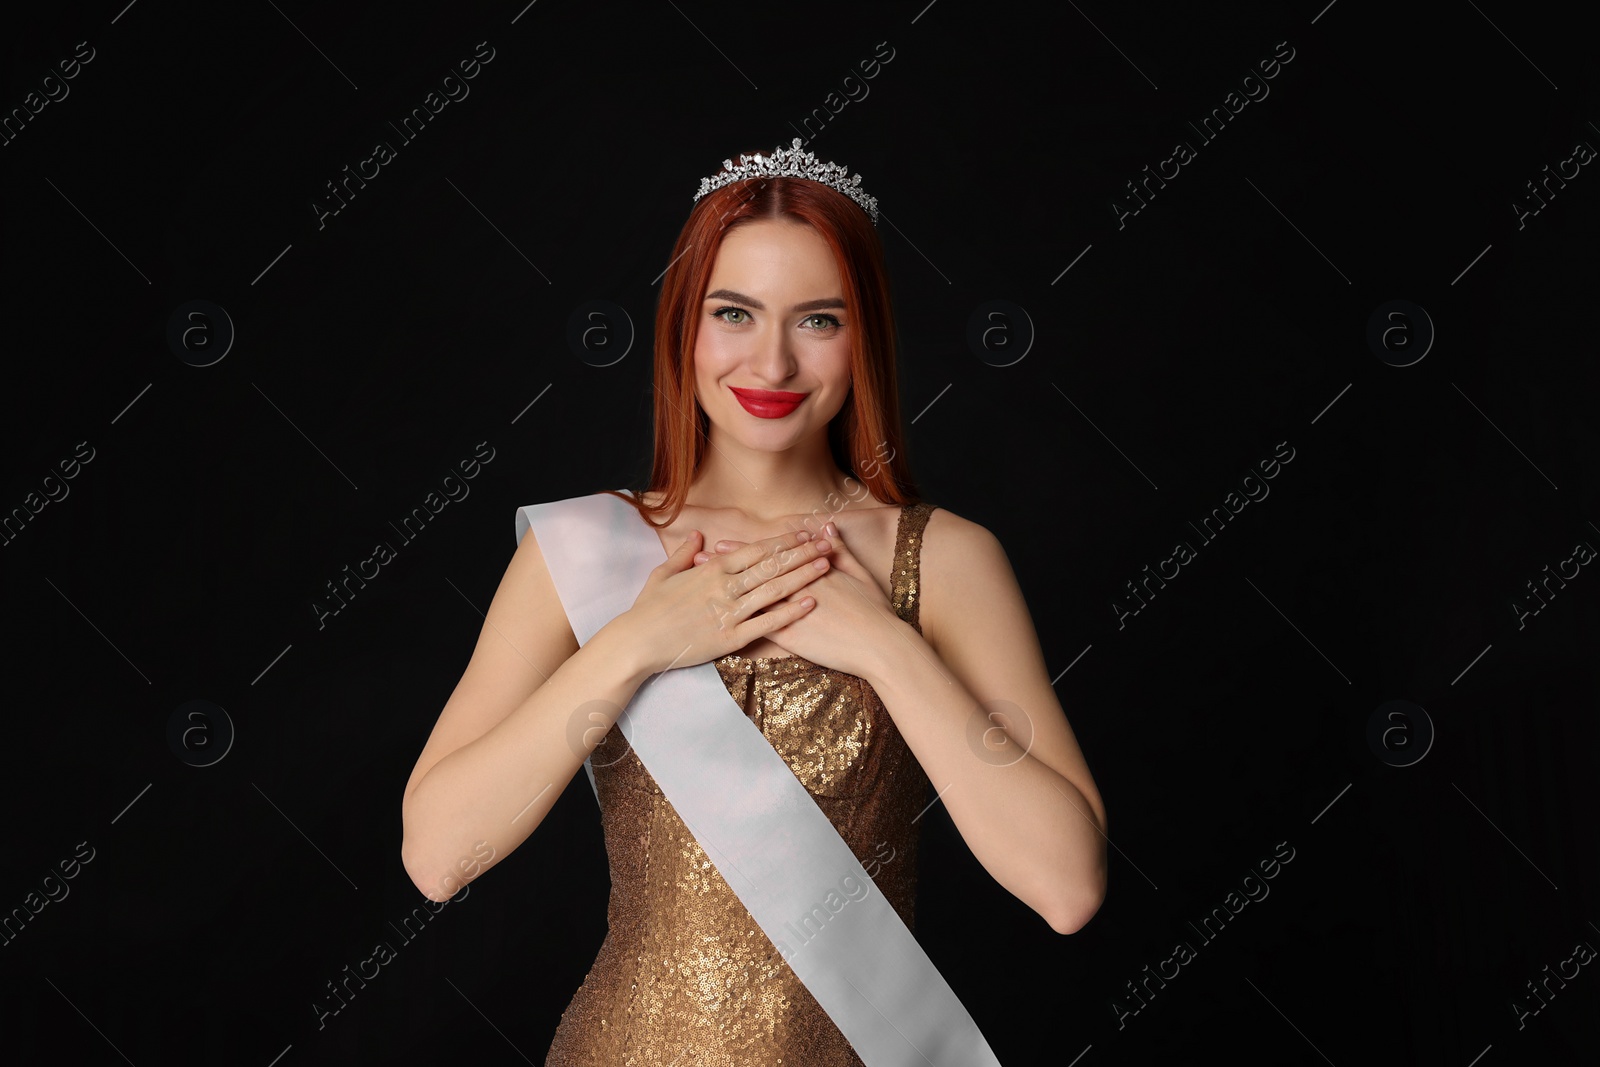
[723, 311]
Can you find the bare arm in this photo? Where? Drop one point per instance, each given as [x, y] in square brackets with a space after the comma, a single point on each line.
[506, 743]
[532, 705]
[977, 707]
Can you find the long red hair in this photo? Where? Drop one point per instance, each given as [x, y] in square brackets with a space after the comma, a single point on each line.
[865, 438]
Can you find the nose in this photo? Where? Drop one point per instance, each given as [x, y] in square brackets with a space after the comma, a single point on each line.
[773, 358]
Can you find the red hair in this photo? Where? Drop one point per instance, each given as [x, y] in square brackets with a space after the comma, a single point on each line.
[867, 428]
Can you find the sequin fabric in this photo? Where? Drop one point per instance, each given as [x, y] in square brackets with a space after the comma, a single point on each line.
[685, 976]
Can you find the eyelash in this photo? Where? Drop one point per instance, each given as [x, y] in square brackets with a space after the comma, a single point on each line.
[819, 315]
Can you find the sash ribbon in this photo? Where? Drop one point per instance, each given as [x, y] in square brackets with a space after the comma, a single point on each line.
[764, 832]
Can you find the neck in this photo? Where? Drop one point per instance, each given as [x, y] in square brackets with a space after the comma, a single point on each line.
[766, 486]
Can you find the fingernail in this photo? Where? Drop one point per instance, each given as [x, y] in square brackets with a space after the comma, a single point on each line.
[833, 531]
[805, 535]
[823, 546]
[722, 546]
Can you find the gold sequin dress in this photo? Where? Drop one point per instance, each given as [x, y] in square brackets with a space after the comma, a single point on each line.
[685, 977]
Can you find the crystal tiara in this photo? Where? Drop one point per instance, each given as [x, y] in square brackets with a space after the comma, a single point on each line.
[792, 163]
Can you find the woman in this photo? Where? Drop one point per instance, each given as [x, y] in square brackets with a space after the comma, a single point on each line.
[876, 641]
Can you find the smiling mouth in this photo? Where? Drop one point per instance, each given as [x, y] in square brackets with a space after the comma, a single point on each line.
[768, 403]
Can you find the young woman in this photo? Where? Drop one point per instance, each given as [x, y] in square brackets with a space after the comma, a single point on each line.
[879, 644]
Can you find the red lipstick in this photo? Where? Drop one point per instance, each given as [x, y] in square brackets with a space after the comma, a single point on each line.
[768, 403]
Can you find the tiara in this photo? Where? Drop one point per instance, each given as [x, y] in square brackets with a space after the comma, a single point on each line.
[792, 163]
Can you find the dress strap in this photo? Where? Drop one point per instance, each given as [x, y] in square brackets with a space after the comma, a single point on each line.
[903, 579]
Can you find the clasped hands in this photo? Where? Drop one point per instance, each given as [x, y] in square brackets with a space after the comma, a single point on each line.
[808, 595]
[851, 608]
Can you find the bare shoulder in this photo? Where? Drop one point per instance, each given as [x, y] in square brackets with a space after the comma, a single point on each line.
[948, 536]
[960, 562]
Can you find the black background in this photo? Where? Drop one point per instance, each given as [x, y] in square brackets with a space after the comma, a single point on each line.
[1230, 314]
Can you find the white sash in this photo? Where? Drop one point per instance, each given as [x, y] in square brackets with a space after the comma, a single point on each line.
[764, 832]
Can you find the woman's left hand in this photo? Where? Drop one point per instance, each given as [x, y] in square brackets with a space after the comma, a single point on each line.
[852, 615]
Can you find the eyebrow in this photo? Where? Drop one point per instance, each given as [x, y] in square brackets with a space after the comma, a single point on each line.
[809, 305]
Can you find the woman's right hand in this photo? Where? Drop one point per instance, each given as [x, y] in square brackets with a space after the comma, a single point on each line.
[688, 614]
